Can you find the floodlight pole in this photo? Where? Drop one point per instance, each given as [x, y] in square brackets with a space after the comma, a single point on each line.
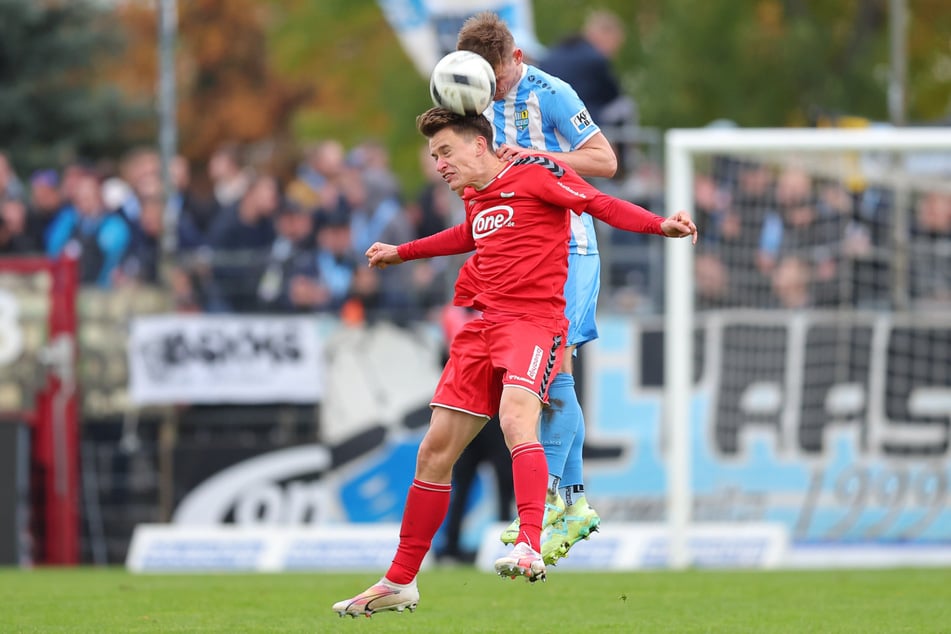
[898, 27]
[168, 133]
[898, 21]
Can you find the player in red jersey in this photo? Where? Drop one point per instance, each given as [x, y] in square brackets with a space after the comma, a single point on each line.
[517, 222]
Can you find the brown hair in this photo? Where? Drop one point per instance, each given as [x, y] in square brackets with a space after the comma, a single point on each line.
[435, 119]
[486, 34]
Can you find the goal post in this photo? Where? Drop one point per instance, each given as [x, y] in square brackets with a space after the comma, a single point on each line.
[845, 158]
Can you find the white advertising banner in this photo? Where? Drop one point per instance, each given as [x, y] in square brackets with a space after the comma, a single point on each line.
[345, 548]
[224, 359]
[629, 546]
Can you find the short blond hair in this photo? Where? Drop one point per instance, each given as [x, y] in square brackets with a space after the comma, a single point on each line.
[486, 34]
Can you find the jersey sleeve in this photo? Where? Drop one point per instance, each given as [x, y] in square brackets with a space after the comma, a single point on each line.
[561, 186]
[452, 241]
[625, 215]
[567, 113]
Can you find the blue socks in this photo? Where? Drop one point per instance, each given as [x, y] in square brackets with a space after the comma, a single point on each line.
[573, 474]
[561, 432]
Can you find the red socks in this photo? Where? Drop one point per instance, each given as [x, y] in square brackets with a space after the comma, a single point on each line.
[530, 473]
[426, 506]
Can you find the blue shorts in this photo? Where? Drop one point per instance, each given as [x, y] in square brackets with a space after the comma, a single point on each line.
[581, 297]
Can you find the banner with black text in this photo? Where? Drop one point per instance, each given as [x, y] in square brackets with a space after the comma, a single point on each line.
[224, 359]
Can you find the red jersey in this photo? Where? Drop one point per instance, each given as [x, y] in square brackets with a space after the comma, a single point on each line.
[518, 225]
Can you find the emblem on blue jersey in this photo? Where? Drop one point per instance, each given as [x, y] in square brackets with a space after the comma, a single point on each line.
[582, 120]
[521, 119]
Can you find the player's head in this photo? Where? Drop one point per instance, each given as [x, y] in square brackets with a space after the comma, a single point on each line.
[461, 145]
[487, 34]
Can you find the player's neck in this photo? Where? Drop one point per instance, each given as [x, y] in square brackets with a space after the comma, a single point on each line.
[490, 169]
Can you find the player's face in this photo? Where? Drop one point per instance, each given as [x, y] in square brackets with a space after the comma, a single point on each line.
[456, 158]
[508, 74]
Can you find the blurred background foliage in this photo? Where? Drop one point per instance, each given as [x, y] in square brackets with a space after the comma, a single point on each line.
[277, 75]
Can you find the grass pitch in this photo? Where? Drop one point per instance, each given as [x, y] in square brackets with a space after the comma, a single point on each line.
[467, 600]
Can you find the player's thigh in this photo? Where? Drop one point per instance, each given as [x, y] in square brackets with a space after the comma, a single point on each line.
[519, 410]
[582, 288]
[449, 432]
[529, 353]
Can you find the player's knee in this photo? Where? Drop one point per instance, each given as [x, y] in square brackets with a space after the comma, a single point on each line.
[517, 429]
[433, 463]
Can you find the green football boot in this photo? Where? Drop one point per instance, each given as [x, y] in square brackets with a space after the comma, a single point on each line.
[554, 510]
[580, 521]
[555, 542]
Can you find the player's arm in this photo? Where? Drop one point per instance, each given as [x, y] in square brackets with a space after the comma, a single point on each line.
[595, 158]
[452, 241]
[562, 187]
[630, 217]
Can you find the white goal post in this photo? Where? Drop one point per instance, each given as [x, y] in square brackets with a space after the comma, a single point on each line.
[682, 147]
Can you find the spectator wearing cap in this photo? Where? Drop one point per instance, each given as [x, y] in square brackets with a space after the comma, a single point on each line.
[46, 203]
[292, 250]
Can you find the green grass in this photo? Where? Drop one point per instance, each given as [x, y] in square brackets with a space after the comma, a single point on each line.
[466, 600]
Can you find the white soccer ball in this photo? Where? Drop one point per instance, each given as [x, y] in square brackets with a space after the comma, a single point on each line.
[463, 82]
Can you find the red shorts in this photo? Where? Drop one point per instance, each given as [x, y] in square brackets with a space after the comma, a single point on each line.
[487, 355]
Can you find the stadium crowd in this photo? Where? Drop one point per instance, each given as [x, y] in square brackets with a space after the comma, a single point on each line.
[252, 244]
[772, 236]
[790, 238]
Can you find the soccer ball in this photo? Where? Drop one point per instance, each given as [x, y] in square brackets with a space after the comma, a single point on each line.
[463, 82]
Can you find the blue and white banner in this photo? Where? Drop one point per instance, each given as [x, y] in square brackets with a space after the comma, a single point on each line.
[224, 359]
[428, 29]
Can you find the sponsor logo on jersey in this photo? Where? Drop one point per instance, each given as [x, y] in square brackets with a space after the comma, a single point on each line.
[582, 120]
[536, 361]
[522, 379]
[571, 191]
[521, 119]
[490, 220]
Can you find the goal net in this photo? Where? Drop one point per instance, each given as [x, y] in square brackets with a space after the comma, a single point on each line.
[820, 369]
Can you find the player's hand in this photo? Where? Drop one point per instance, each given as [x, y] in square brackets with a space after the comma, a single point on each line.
[508, 152]
[680, 225]
[380, 255]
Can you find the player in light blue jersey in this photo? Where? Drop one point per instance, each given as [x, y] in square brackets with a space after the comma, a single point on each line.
[534, 112]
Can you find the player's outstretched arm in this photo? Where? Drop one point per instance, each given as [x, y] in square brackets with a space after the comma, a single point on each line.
[380, 255]
[680, 225]
[452, 241]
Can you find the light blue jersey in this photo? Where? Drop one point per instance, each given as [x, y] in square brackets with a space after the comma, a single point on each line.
[545, 113]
